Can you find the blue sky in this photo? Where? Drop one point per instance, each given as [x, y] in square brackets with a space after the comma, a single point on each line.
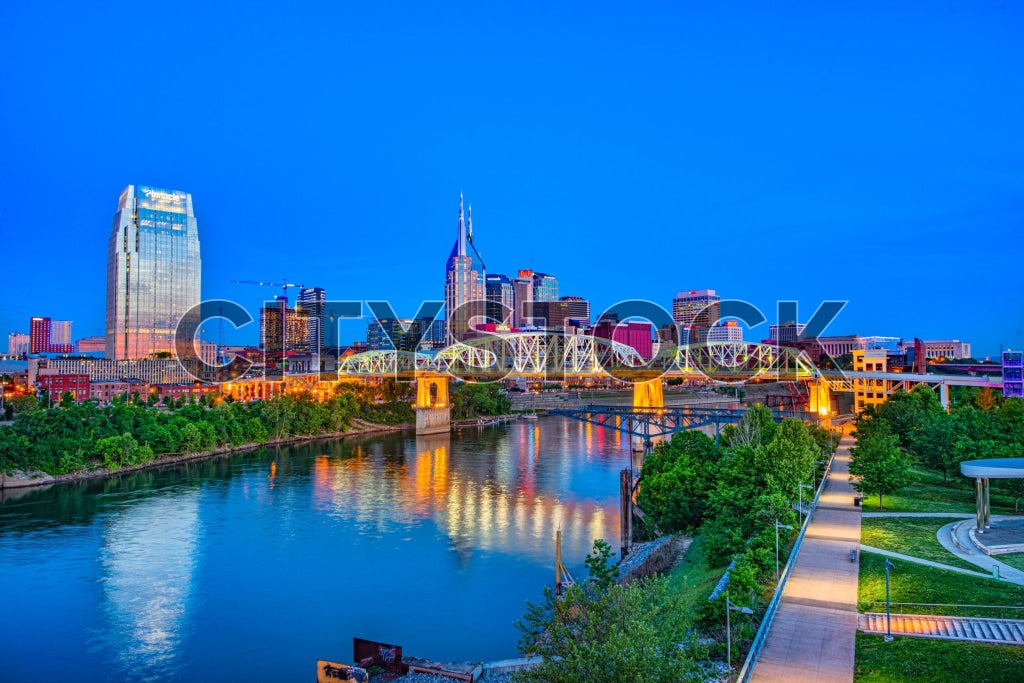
[870, 152]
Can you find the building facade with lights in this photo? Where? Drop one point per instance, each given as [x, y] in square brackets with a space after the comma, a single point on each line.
[153, 271]
[695, 311]
[465, 277]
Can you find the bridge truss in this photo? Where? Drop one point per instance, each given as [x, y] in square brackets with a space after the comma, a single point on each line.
[649, 423]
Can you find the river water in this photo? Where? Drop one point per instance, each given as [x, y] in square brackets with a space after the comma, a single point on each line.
[253, 566]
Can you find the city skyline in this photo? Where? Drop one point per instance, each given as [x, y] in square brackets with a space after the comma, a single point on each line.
[764, 153]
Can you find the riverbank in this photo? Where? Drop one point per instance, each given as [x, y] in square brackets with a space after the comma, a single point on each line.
[35, 480]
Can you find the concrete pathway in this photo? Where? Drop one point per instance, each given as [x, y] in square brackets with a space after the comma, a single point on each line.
[812, 637]
[976, 557]
[1002, 631]
[918, 560]
[947, 515]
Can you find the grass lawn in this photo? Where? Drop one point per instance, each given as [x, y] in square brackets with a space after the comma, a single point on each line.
[921, 659]
[1015, 560]
[910, 536]
[929, 494]
[693, 577]
[911, 582]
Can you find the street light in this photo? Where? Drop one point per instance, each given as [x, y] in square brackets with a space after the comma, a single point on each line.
[888, 615]
[778, 526]
[729, 607]
[800, 486]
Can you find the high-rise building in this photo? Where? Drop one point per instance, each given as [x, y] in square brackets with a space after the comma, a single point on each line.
[465, 275]
[522, 287]
[501, 298]
[545, 287]
[786, 333]
[313, 302]
[283, 330]
[695, 311]
[18, 343]
[60, 332]
[579, 310]
[153, 270]
[41, 337]
[39, 334]
[1013, 374]
[725, 331]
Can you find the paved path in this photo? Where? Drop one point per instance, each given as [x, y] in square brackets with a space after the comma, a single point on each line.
[948, 515]
[812, 637]
[1003, 631]
[976, 557]
[918, 560]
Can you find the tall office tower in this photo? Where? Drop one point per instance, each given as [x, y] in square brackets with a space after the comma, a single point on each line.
[695, 311]
[465, 275]
[522, 286]
[60, 332]
[579, 309]
[501, 298]
[153, 270]
[545, 287]
[313, 302]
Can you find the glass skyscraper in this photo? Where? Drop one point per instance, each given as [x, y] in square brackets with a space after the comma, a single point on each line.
[153, 271]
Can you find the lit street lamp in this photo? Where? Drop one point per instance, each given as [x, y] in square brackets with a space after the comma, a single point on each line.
[800, 486]
[888, 615]
[778, 526]
[729, 607]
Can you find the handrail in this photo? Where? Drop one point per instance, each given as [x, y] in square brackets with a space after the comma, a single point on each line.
[899, 606]
[773, 605]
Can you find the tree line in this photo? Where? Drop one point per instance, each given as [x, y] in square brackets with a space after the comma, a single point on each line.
[131, 430]
[912, 428]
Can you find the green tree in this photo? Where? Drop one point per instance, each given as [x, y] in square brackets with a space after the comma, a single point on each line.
[601, 565]
[757, 426]
[625, 634]
[677, 479]
[880, 464]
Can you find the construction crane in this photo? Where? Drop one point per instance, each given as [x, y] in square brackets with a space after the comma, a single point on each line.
[283, 285]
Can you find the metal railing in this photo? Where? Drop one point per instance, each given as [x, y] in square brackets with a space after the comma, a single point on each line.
[773, 605]
[946, 610]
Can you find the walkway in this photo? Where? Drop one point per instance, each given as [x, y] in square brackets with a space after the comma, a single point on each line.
[1002, 631]
[813, 635]
[975, 556]
[918, 560]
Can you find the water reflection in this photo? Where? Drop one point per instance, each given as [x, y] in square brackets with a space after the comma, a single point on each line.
[509, 499]
[179, 573]
[149, 561]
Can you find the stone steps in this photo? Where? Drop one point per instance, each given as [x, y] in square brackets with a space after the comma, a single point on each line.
[1005, 631]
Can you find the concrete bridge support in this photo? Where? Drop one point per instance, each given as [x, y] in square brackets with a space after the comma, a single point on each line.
[433, 412]
[647, 395]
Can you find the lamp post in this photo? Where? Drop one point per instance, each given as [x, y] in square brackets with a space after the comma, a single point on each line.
[730, 607]
[888, 615]
[800, 486]
[778, 526]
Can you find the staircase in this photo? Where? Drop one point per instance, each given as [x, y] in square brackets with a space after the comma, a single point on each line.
[1002, 631]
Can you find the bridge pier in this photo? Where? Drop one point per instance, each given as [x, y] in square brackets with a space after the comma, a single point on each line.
[647, 395]
[433, 412]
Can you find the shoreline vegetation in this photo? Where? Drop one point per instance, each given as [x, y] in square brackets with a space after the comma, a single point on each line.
[76, 441]
[29, 480]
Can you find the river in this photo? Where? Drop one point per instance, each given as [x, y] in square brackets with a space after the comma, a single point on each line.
[253, 566]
